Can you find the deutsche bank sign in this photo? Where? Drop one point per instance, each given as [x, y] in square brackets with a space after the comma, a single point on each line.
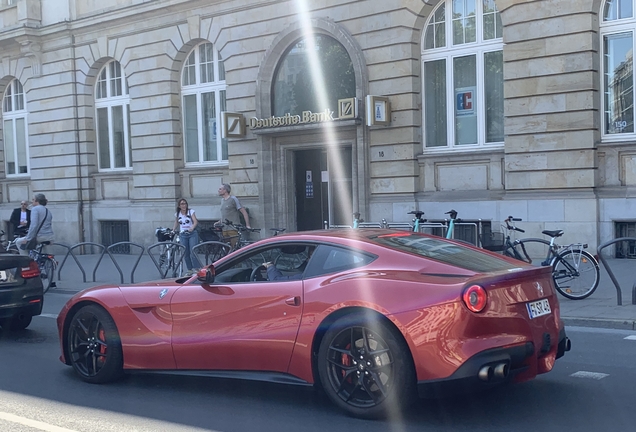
[465, 101]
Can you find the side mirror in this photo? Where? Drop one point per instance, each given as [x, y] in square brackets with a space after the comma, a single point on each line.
[206, 275]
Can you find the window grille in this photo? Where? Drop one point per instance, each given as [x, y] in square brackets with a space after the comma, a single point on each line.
[115, 232]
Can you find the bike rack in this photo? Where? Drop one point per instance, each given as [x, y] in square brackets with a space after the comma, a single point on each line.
[619, 293]
[154, 260]
[110, 254]
[70, 252]
[220, 247]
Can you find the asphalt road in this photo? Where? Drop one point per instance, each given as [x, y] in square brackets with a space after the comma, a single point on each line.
[592, 388]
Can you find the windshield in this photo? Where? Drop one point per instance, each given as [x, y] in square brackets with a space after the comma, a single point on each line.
[444, 251]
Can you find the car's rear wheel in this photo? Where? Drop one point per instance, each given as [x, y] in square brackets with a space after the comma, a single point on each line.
[94, 345]
[17, 322]
[365, 367]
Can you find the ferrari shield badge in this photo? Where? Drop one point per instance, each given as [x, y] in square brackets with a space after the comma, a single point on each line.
[163, 293]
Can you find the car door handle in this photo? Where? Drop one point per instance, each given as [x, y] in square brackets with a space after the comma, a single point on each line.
[293, 301]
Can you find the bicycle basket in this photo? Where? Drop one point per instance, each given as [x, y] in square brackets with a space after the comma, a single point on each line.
[492, 241]
[163, 234]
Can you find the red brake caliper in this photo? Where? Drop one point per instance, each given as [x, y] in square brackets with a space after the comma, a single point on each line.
[102, 348]
[346, 360]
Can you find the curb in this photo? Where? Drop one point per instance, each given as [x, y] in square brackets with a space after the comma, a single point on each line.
[600, 323]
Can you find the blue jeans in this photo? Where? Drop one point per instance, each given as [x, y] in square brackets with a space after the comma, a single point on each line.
[190, 240]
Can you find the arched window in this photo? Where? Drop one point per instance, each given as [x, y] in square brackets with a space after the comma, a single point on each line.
[203, 93]
[462, 73]
[617, 50]
[112, 106]
[296, 84]
[14, 127]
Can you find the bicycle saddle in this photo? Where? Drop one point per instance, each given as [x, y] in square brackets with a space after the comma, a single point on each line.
[45, 243]
[555, 233]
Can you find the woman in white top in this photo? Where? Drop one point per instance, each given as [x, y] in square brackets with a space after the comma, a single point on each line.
[188, 235]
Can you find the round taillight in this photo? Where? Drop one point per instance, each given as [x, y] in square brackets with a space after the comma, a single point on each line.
[475, 298]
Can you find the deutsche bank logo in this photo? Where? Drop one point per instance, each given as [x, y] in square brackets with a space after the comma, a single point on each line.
[465, 101]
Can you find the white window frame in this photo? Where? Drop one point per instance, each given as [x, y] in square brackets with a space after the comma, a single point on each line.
[608, 28]
[109, 102]
[13, 116]
[448, 53]
[198, 89]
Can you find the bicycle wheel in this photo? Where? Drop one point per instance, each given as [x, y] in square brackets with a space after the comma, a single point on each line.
[164, 261]
[47, 272]
[576, 274]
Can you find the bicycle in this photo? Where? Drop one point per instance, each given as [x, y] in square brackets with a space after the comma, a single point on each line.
[575, 271]
[46, 264]
[170, 255]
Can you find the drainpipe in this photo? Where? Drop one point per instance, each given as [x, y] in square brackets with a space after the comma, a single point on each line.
[78, 164]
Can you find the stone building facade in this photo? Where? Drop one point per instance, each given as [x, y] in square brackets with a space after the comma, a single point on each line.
[112, 108]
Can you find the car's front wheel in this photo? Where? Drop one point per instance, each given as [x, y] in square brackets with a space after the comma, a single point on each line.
[365, 367]
[94, 346]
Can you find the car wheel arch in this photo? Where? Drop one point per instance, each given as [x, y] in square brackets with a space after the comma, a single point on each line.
[330, 319]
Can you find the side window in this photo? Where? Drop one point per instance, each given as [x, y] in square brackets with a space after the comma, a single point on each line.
[14, 127]
[617, 65]
[290, 260]
[332, 259]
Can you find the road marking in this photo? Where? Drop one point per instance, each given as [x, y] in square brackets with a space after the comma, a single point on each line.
[632, 337]
[32, 423]
[54, 316]
[592, 375]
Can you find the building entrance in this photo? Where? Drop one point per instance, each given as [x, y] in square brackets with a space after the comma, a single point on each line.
[323, 187]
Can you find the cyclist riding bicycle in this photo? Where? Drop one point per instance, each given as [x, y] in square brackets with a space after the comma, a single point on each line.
[41, 229]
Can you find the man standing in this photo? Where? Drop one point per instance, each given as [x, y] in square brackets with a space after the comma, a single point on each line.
[230, 208]
[21, 219]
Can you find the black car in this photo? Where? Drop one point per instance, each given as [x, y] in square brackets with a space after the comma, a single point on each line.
[21, 291]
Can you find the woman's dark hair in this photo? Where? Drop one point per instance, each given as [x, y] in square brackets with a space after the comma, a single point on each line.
[179, 204]
[41, 199]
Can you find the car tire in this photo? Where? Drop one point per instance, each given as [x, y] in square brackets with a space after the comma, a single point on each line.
[17, 322]
[94, 346]
[365, 367]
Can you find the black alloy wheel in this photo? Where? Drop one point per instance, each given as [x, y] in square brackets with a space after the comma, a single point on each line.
[365, 367]
[94, 346]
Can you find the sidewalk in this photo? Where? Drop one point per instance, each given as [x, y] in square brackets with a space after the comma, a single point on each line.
[598, 310]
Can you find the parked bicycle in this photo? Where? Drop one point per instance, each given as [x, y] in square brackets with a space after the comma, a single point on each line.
[575, 271]
[170, 255]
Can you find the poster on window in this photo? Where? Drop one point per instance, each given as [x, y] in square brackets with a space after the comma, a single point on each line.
[465, 101]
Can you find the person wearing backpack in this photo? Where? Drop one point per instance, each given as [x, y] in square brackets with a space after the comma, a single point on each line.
[188, 235]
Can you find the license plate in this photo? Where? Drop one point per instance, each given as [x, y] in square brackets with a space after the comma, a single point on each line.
[538, 308]
[3, 276]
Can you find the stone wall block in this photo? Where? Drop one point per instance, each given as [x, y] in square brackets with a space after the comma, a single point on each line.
[393, 185]
[532, 86]
[551, 160]
[561, 179]
[550, 141]
[556, 65]
[548, 26]
[541, 123]
[390, 168]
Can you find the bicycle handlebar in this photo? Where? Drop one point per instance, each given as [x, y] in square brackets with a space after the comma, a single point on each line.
[512, 227]
[240, 227]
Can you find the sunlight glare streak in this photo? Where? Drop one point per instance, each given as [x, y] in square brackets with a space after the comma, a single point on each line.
[336, 163]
